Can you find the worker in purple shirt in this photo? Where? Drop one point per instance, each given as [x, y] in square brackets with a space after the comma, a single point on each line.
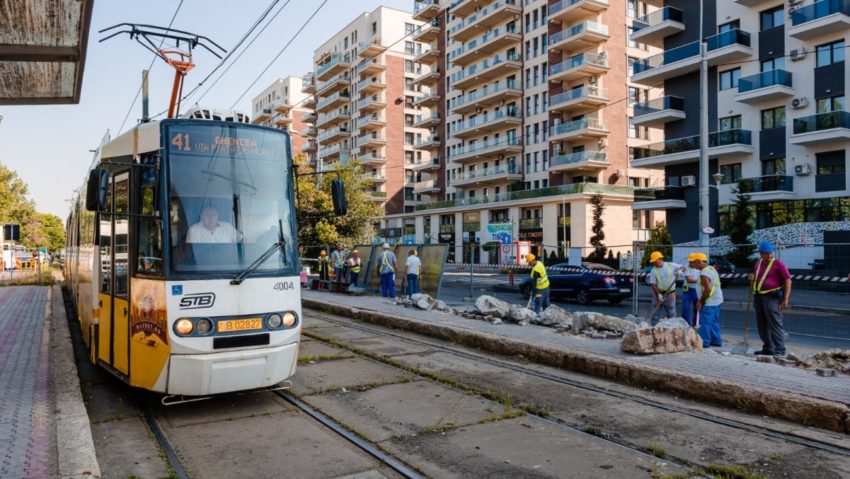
[771, 285]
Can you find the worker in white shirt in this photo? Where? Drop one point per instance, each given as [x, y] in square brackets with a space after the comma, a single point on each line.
[412, 268]
[689, 290]
[211, 230]
[662, 280]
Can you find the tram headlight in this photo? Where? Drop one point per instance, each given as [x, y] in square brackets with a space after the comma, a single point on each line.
[204, 326]
[184, 327]
[289, 319]
[274, 321]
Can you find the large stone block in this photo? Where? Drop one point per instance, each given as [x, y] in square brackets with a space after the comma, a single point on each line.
[669, 336]
[490, 306]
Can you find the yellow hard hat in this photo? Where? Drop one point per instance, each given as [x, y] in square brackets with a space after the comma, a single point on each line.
[700, 257]
[323, 253]
[692, 257]
[355, 252]
[530, 257]
[655, 256]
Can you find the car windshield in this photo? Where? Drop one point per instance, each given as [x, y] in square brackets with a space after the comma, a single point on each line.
[229, 198]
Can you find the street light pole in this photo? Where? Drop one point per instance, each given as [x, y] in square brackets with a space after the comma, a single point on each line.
[704, 196]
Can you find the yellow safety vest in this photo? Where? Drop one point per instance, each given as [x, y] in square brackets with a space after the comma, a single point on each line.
[543, 280]
[354, 266]
[323, 264]
[669, 287]
[758, 283]
[715, 279]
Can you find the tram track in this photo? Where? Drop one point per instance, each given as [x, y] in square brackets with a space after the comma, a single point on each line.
[164, 444]
[671, 408]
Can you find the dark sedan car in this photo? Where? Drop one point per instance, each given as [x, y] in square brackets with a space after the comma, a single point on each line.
[579, 283]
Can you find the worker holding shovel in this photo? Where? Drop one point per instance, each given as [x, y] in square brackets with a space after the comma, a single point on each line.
[662, 280]
[710, 299]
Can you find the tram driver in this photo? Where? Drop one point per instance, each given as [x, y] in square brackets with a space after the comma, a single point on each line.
[211, 230]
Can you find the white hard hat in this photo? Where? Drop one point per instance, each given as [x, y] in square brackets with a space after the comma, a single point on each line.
[386, 246]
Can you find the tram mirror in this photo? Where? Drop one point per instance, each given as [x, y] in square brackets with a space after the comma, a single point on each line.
[338, 195]
[96, 189]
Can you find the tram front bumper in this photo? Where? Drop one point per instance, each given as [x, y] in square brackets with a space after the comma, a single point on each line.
[227, 371]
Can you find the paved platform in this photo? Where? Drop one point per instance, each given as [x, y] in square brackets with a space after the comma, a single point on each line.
[720, 378]
[31, 406]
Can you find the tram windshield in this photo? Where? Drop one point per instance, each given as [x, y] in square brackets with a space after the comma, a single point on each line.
[228, 198]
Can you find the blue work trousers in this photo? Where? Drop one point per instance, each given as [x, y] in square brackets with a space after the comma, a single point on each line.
[388, 285]
[709, 326]
[412, 284]
[353, 278]
[541, 300]
[689, 305]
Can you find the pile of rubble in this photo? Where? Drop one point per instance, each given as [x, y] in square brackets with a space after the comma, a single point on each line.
[834, 359]
[425, 302]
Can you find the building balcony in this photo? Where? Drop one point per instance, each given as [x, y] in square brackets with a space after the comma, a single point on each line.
[335, 152]
[424, 10]
[485, 45]
[572, 10]
[310, 145]
[765, 86]
[379, 196]
[818, 19]
[371, 85]
[428, 32]
[582, 129]
[488, 17]
[427, 56]
[580, 66]
[283, 119]
[371, 47]
[652, 29]
[430, 143]
[372, 159]
[308, 131]
[308, 84]
[485, 71]
[309, 117]
[580, 36]
[309, 102]
[822, 128]
[327, 120]
[426, 187]
[721, 144]
[335, 64]
[376, 176]
[583, 98]
[427, 121]
[336, 100]
[334, 134]
[583, 189]
[464, 8]
[482, 176]
[590, 161]
[432, 164]
[671, 63]
[282, 107]
[371, 66]
[482, 124]
[487, 149]
[372, 102]
[368, 141]
[728, 47]
[767, 187]
[336, 83]
[486, 96]
[428, 100]
[429, 78]
[668, 198]
[375, 120]
[657, 112]
[262, 116]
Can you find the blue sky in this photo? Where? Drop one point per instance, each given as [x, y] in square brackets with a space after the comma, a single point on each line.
[49, 145]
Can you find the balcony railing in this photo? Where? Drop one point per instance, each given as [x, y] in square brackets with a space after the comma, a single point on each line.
[656, 17]
[476, 43]
[336, 96]
[484, 65]
[659, 104]
[763, 184]
[486, 145]
[339, 147]
[428, 140]
[572, 188]
[563, 4]
[576, 93]
[369, 99]
[420, 5]
[334, 60]
[333, 80]
[577, 61]
[480, 120]
[764, 80]
[333, 132]
[667, 57]
[588, 26]
[727, 38]
[487, 172]
[576, 125]
[434, 161]
[481, 93]
[480, 14]
[822, 121]
[366, 139]
[690, 143]
[578, 157]
[818, 10]
[368, 81]
[656, 194]
[363, 120]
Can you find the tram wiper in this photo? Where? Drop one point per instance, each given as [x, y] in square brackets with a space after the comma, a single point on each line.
[280, 243]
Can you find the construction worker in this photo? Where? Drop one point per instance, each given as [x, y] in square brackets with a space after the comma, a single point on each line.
[386, 267]
[354, 267]
[662, 280]
[689, 290]
[412, 268]
[338, 263]
[771, 283]
[710, 299]
[324, 270]
[540, 283]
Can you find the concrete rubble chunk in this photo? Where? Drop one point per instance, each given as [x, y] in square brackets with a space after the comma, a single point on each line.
[555, 317]
[587, 319]
[422, 301]
[522, 315]
[669, 336]
[490, 306]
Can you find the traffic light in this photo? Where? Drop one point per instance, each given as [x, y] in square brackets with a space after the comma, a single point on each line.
[338, 196]
[12, 232]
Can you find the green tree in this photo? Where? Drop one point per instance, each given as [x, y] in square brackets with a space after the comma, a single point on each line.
[317, 223]
[659, 240]
[53, 231]
[16, 207]
[598, 238]
[741, 226]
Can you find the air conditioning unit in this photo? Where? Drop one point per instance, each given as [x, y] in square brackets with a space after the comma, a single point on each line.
[689, 180]
[800, 102]
[797, 54]
[802, 170]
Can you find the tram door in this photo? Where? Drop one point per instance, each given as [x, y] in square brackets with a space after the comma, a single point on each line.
[113, 329]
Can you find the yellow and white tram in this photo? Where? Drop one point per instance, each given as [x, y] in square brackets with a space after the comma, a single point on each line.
[182, 257]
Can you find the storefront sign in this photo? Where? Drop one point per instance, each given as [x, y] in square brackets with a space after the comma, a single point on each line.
[500, 232]
[535, 234]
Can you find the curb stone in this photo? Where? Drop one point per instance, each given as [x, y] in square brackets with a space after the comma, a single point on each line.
[77, 457]
[783, 405]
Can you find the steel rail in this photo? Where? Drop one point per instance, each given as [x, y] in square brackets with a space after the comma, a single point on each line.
[173, 459]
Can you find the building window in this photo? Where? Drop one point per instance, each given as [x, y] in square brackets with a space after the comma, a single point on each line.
[408, 120]
[830, 53]
[773, 166]
[827, 105]
[409, 48]
[775, 17]
[730, 123]
[728, 27]
[374, 28]
[773, 118]
[631, 8]
[729, 78]
[409, 28]
[777, 63]
[408, 66]
[731, 173]
[830, 171]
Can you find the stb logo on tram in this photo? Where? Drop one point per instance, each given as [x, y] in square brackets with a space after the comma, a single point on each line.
[197, 301]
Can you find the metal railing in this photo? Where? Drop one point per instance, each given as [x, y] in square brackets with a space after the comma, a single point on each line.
[822, 121]
[818, 10]
[576, 93]
[334, 60]
[656, 17]
[573, 188]
[600, 60]
[667, 57]
[762, 184]
[484, 119]
[654, 194]
[479, 173]
[764, 80]
[578, 157]
[727, 38]
[564, 4]
[659, 104]
[472, 19]
[484, 65]
[689, 143]
[486, 145]
[482, 92]
[573, 30]
[576, 125]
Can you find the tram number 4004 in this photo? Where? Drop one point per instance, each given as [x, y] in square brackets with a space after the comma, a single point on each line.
[284, 286]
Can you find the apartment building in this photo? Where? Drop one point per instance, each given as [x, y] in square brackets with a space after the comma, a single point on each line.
[531, 108]
[364, 94]
[281, 105]
[777, 115]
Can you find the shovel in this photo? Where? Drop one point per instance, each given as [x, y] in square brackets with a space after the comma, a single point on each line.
[741, 348]
[655, 310]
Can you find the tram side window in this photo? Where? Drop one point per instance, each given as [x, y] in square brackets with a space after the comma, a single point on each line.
[105, 245]
[150, 227]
